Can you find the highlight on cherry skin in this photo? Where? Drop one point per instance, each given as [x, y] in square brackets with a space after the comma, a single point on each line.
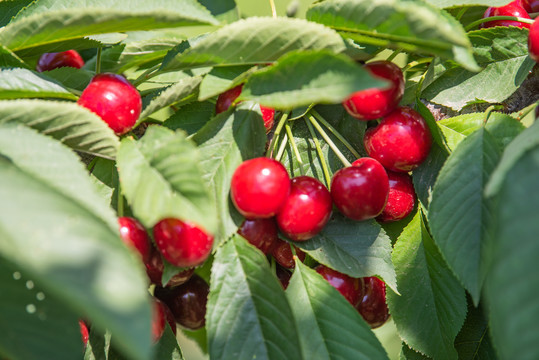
[374, 103]
[373, 306]
[51, 61]
[114, 99]
[133, 234]
[514, 8]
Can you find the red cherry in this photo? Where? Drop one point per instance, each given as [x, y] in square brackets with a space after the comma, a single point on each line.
[306, 210]
[373, 305]
[85, 334]
[114, 99]
[514, 8]
[161, 315]
[283, 254]
[187, 302]
[401, 142]
[283, 275]
[533, 41]
[50, 61]
[401, 199]
[261, 233]
[360, 191]
[531, 6]
[259, 187]
[134, 235]
[373, 103]
[268, 115]
[182, 244]
[348, 286]
[155, 267]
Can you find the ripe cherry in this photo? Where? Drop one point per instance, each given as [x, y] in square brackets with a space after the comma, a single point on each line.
[134, 235]
[360, 191]
[182, 243]
[155, 267]
[514, 8]
[50, 61]
[161, 315]
[187, 302]
[401, 142]
[261, 233]
[283, 275]
[531, 6]
[348, 286]
[401, 199]
[306, 210]
[259, 187]
[373, 103]
[533, 41]
[85, 334]
[373, 305]
[283, 254]
[114, 99]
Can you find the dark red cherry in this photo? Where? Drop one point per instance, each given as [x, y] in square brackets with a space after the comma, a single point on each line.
[283, 254]
[155, 267]
[348, 286]
[50, 61]
[283, 275]
[261, 233]
[531, 6]
[360, 191]
[514, 8]
[401, 142]
[373, 103]
[187, 302]
[401, 199]
[259, 187]
[114, 100]
[306, 210]
[161, 315]
[182, 243]
[135, 236]
[85, 334]
[533, 41]
[373, 305]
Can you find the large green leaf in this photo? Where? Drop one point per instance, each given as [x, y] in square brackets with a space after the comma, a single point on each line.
[248, 315]
[220, 79]
[191, 117]
[224, 143]
[10, 8]
[69, 123]
[255, 41]
[71, 78]
[224, 10]
[161, 177]
[414, 26]
[502, 52]
[425, 175]
[458, 215]
[330, 327]
[354, 248]
[311, 77]
[432, 306]
[409, 354]
[22, 83]
[9, 59]
[50, 205]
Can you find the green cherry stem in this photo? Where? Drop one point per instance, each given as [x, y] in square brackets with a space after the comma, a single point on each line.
[320, 153]
[146, 75]
[273, 9]
[282, 147]
[489, 111]
[393, 55]
[493, 18]
[330, 142]
[98, 60]
[294, 147]
[416, 63]
[336, 133]
[461, 13]
[276, 134]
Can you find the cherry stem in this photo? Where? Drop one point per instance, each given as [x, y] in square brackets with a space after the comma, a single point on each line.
[521, 115]
[494, 18]
[276, 134]
[336, 133]
[294, 147]
[273, 9]
[320, 153]
[461, 13]
[98, 60]
[330, 142]
[146, 75]
[489, 111]
[393, 55]
[120, 204]
[282, 147]
[416, 63]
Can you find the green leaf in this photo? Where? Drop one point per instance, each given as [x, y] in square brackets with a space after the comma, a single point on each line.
[453, 3]
[220, 79]
[224, 10]
[425, 175]
[69, 123]
[167, 348]
[502, 52]
[161, 177]
[50, 205]
[255, 41]
[10, 8]
[10, 59]
[191, 117]
[330, 327]
[432, 306]
[34, 324]
[413, 26]
[105, 174]
[71, 78]
[311, 77]
[458, 215]
[409, 354]
[248, 314]
[435, 131]
[22, 83]
[354, 248]
[224, 143]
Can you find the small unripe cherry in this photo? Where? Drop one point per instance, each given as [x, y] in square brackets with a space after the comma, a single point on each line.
[51, 61]
[401, 198]
[261, 233]
[349, 287]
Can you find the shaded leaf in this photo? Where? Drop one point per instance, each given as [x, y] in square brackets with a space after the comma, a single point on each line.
[71, 78]
[224, 10]
[10, 8]
[220, 79]
[473, 341]
[191, 117]
[409, 354]
[424, 177]
[22, 83]
[9, 59]
[453, 3]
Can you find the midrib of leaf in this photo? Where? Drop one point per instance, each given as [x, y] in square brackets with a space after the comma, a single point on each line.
[479, 343]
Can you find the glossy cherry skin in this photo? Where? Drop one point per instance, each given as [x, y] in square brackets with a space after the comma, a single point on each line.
[114, 100]
[283, 275]
[401, 142]
[155, 267]
[373, 305]
[533, 41]
[531, 6]
[268, 115]
[182, 243]
[259, 187]
[306, 210]
[348, 286]
[187, 302]
[360, 191]
[85, 334]
[161, 315]
[401, 198]
[135, 236]
[514, 8]
[283, 254]
[261, 233]
[374, 103]
[50, 61]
